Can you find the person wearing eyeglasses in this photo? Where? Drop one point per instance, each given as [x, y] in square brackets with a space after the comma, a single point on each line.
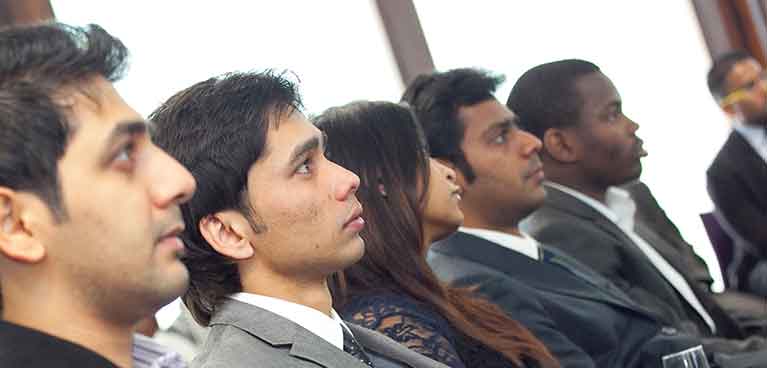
[737, 178]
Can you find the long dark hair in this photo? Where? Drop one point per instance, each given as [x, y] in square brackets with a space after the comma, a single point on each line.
[382, 143]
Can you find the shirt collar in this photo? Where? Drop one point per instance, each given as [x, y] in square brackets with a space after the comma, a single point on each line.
[619, 207]
[318, 323]
[522, 244]
[754, 134]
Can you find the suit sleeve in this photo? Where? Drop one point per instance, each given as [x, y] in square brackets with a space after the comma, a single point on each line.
[728, 193]
[522, 304]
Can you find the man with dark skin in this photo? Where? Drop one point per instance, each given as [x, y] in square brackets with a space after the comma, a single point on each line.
[589, 148]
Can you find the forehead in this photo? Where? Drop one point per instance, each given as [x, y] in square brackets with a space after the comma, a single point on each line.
[93, 110]
[742, 72]
[283, 137]
[596, 91]
[480, 117]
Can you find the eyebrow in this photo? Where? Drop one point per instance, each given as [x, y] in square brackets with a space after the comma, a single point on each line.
[503, 124]
[122, 129]
[307, 146]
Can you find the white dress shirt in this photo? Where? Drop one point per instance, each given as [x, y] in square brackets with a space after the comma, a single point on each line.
[318, 323]
[620, 210]
[756, 136]
[522, 244]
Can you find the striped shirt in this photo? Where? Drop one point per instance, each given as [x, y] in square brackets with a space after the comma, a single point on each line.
[149, 354]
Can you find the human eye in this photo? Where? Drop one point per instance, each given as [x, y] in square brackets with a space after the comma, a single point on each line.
[305, 168]
[124, 158]
[502, 136]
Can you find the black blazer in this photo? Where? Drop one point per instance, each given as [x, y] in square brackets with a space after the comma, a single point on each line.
[584, 233]
[651, 214]
[24, 347]
[737, 184]
[562, 305]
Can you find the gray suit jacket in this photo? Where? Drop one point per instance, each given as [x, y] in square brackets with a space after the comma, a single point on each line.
[243, 335]
[581, 231]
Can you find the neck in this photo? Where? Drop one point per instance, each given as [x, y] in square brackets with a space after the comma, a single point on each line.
[313, 293]
[583, 186]
[478, 223]
[484, 213]
[59, 314]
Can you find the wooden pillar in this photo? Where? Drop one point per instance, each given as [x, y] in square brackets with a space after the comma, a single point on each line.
[406, 38]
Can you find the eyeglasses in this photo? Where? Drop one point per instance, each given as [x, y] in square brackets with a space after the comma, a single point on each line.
[743, 91]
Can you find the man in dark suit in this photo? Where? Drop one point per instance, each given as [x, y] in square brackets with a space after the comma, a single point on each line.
[750, 311]
[561, 301]
[737, 179]
[89, 206]
[589, 147]
[272, 220]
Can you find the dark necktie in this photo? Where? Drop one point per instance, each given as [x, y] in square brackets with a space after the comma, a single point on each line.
[352, 347]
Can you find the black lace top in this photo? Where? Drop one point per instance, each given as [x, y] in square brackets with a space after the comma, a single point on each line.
[420, 328]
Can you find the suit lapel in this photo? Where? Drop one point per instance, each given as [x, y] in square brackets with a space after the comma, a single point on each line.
[280, 332]
[749, 165]
[564, 202]
[562, 275]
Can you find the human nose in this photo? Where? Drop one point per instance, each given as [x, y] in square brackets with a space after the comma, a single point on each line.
[531, 144]
[170, 182]
[345, 183]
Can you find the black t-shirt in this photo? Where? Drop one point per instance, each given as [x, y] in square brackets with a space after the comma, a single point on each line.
[28, 348]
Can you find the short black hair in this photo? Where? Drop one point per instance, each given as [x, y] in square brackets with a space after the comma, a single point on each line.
[436, 98]
[545, 96]
[218, 129]
[35, 63]
[721, 66]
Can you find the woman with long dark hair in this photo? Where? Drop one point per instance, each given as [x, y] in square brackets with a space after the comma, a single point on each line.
[410, 201]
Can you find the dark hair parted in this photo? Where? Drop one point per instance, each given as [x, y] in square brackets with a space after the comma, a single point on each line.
[218, 129]
[35, 63]
[383, 144]
[436, 98]
[720, 68]
[545, 96]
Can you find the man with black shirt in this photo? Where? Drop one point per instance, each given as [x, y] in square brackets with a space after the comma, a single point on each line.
[89, 206]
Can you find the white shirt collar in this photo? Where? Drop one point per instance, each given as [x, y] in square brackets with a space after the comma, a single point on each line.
[754, 135]
[523, 244]
[318, 323]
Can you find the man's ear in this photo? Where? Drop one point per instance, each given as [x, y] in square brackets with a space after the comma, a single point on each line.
[227, 232]
[16, 240]
[561, 145]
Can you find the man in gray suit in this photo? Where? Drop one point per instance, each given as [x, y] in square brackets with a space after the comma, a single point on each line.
[272, 220]
[589, 147]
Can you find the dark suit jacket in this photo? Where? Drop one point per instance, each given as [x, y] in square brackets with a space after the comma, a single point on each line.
[747, 309]
[651, 214]
[24, 347]
[560, 304]
[243, 335]
[581, 231]
[737, 184]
